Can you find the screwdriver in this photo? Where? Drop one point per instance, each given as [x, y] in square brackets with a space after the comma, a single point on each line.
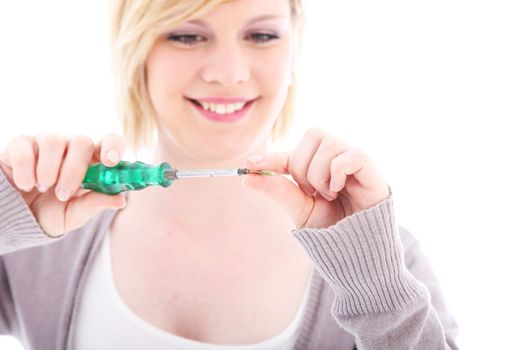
[132, 176]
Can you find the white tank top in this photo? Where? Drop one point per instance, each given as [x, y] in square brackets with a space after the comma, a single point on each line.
[105, 321]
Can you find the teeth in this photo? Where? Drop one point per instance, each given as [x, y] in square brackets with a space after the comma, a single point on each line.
[220, 109]
[223, 109]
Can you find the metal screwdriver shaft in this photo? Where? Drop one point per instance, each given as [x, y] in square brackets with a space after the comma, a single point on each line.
[175, 174]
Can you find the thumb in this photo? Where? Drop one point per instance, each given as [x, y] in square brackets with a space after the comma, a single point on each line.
[81, 209]
[285, 192]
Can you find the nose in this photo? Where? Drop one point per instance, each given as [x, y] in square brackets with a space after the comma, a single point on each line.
[227, 65]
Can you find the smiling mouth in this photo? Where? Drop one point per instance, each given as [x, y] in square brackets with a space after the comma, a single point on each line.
[222, 108]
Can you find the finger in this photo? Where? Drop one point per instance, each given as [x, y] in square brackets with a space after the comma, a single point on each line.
[279, 163]
[283, 191]
[81, 209]
[78, 156]
[110, 149]
[79, 193]
[318, 173]
[301, 158]
[51, 149]
[354, 162]
[295, 163]
[21, 159]
[276, 161]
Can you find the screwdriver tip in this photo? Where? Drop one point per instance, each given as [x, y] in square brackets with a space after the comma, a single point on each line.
[263, 172]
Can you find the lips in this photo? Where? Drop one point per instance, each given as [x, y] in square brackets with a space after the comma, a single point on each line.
[222, 109]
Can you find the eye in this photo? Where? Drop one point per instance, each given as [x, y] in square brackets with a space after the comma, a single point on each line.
[262, 38]
[187, 39]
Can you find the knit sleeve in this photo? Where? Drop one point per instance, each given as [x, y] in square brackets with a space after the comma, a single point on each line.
[377, 298]
[18, 226]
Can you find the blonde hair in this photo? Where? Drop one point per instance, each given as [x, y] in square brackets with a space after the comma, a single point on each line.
[135, 25]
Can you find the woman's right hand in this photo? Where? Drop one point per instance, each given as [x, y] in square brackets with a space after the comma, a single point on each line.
[48, 170]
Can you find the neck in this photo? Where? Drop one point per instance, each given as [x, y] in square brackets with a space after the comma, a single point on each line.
[200, 204]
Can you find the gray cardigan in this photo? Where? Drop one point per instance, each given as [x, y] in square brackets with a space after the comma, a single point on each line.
[372, 287]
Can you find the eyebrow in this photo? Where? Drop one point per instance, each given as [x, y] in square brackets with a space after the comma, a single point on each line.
[251, 21]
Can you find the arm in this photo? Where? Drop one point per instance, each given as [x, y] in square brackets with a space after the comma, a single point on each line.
[18, 230]
[8, 323]
[377, 298]
[18, 227]
[40, 198]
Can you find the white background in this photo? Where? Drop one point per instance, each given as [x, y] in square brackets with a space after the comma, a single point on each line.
[434, 91]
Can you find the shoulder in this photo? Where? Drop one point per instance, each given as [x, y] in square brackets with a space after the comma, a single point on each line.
[46, 279]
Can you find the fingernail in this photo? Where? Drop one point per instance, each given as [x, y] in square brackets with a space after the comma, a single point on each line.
[63, 194]
[41, 188]
[329, 196]
[255, 159]
[113, 156]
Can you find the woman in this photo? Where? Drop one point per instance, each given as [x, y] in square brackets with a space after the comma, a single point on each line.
[207, 264]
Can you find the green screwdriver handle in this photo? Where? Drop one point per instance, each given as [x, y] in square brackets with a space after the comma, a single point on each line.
[125, 176]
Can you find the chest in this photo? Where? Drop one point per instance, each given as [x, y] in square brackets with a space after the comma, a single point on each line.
[227, 291]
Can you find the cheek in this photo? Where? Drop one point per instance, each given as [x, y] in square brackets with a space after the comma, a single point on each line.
[168, 74]
[273, 71]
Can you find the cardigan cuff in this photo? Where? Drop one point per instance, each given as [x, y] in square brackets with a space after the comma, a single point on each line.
[361, 257]
[18, 227]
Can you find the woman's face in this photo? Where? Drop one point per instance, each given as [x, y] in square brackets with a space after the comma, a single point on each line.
[218, 83]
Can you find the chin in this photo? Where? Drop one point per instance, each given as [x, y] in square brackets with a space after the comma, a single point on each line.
[227, 147]
[222, 155]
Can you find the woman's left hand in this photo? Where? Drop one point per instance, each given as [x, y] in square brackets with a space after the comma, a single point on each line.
[332, 179]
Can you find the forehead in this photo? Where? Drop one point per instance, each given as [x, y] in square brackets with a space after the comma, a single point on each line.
[253, 9]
